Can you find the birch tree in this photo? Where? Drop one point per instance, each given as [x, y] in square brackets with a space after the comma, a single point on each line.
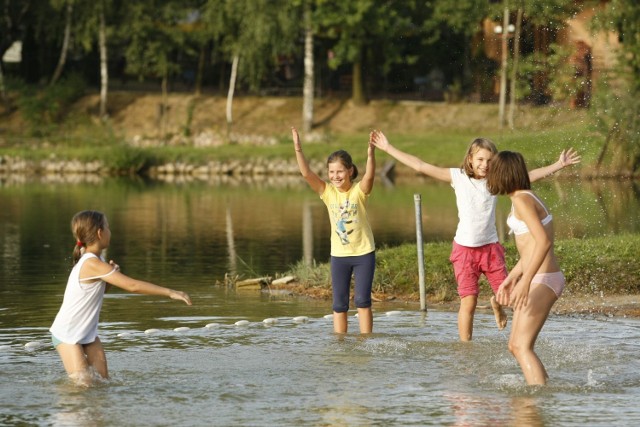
[251, 33]
[66, 38]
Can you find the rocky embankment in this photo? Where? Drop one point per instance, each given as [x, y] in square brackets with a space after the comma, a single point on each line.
[235, 168]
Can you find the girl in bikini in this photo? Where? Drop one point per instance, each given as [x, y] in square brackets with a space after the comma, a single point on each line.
[476, 249]
[536, 282]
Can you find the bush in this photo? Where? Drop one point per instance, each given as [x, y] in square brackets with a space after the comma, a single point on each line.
[44, 109]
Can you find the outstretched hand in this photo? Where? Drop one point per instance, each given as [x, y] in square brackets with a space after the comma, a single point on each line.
[569, 157]
[378, 140]
[181, 296]
[296, 139]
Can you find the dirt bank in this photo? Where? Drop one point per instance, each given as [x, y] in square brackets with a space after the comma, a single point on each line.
[134, 114]
[567, 305]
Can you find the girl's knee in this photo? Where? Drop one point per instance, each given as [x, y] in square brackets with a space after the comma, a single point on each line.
[362, 301]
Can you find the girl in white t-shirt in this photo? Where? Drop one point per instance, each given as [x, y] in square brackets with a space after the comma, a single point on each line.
[476, 249]
[352, 244]
[75, 329]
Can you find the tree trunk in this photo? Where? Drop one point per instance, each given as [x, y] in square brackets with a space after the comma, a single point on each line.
[307, 91]
[104, 72]
[514, 71]
[232, 87]
[3, 90]
[503, 66]
[65, 44]
[164, 108]
[357, 89]
[200, 73]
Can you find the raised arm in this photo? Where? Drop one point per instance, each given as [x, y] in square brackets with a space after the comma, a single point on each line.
[366, 184]
[380, 141]
[314, 181]
[112, 275]
[567, 158]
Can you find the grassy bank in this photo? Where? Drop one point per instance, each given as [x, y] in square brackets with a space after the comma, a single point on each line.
[595, 266]
[437, 132]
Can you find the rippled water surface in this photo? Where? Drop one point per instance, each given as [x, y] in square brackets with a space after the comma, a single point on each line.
[412, 371]
[292, 370]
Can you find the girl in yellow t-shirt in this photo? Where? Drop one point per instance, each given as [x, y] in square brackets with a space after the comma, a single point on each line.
[352, 244]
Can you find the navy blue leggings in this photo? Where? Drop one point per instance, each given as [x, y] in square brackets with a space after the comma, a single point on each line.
[362, 267]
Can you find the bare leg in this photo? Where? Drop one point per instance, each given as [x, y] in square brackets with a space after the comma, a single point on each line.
[526, 325]
[498, 311]
[465, 317]
[96, 357]
[75, 363]
[365, 318]
[340, 323]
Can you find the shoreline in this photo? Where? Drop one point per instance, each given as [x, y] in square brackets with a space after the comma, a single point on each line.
[610, 306]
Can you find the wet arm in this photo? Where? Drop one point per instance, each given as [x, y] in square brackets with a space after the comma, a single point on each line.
[112, 276]
[567, 158]
[525, 209]
[381, 142]
[366, 185]
[314, 181]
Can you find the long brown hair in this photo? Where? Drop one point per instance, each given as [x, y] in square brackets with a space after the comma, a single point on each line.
[85, 226]
[344, 158]
[476, 144]
[508, 173]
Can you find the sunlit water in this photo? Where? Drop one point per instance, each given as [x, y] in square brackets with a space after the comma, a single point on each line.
[412, 371]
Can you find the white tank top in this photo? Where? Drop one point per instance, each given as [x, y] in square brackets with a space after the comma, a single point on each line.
[77, 320]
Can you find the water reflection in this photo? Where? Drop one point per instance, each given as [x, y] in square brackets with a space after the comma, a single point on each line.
[257, 227]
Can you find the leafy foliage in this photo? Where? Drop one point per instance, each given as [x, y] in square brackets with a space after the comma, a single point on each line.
[617, 103]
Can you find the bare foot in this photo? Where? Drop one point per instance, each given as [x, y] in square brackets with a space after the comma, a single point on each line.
[498, 311]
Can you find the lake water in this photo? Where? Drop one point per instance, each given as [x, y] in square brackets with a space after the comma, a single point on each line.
[411, 371]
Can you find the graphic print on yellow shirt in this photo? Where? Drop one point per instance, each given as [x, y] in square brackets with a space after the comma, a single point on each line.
[350, 230]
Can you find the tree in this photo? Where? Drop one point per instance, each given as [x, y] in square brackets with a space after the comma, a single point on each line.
[154, 37]
[251, 33]
[14, 13]
[617, 104]
[66, 39]
[359, 25]
[309, 81]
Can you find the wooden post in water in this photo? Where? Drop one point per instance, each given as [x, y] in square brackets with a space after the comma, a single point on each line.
[417, 200]
[307, 234]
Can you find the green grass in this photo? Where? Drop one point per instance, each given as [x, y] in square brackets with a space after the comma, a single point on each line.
[604, 265]
[80, 138]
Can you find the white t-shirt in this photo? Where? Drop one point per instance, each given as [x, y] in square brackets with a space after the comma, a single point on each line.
[476, 210]
[77, 320]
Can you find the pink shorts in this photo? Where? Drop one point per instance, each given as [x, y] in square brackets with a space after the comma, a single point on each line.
[470, 263]
[555, 281]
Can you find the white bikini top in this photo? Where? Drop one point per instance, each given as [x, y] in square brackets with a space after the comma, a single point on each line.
[518, 226]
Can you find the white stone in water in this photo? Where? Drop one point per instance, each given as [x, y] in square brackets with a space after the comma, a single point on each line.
[181, 329]
[328, 316]
[301, 319]
[151, 331]
[124, 334]
[242, 323]
[211, 325]
[270, 321]
[393, 313]
[33, 345]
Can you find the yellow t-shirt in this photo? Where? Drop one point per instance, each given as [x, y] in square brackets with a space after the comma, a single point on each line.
[350, 230]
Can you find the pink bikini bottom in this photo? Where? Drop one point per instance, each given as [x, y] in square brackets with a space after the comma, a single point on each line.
[555, 281]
